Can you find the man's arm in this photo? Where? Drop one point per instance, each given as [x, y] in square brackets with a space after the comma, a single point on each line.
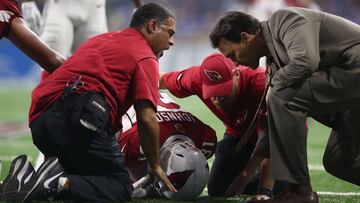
[256, 160]
[181, 83]
[260, 157]
[266, 181]
[148, 130]
[300, 37]
[29, 43]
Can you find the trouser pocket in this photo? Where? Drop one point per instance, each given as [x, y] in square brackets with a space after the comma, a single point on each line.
[87, 109]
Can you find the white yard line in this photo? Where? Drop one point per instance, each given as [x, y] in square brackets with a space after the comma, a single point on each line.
[323, 193]
[13, 129]
[339, 193]
[15, 133]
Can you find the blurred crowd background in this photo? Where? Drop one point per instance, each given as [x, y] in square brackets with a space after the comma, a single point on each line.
[194, 19]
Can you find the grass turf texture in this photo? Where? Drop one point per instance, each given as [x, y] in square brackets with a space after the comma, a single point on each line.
[14, 106]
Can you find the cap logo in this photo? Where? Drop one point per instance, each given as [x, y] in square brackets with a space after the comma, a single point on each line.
[213, 76]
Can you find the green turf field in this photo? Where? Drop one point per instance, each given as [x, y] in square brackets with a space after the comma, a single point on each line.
[14, 105]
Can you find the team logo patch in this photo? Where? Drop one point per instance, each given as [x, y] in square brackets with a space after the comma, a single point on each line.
[213, 75]
[5, 16]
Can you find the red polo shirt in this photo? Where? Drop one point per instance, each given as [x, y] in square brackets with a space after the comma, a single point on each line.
[9, 10]
[251, 87]
[119, 64]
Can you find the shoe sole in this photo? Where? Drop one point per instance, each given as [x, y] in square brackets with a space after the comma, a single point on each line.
[42, 174]
[12, 184]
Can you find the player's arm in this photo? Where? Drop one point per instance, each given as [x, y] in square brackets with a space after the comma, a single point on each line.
[181, 83]
[238, 185]
[28, 42]
[261, 153]
[148, 130]
[266, 181]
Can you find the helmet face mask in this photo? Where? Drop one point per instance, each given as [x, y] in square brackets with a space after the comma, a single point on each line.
[185, 166]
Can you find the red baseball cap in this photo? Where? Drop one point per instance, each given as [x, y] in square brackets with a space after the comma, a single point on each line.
[217, 73]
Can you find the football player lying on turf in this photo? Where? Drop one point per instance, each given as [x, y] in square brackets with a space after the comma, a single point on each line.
[182, 139]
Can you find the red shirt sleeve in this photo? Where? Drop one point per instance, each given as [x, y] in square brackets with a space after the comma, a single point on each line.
[184, 83]
[9, 10]
[146, 80]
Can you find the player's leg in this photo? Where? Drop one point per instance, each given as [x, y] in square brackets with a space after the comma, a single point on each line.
[342, 154]
[227, 164]
[92, 23]
[58, 30]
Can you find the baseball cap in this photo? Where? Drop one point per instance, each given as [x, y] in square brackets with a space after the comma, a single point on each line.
[217, 73]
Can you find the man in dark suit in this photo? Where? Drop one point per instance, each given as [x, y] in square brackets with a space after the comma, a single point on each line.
[314, 70]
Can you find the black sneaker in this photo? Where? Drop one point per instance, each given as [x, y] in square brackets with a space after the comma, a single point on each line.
[20, 173]
[44, 184]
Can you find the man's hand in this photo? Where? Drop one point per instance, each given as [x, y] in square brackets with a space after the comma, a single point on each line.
[160, 174]
[148, 130]
[32, 16]
[238, 185]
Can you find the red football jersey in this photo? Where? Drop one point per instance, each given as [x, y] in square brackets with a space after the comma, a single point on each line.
[251, 87]
[119, 64]
[172, 121]
[9, 10]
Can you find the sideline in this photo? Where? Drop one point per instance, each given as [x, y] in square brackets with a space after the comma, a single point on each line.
[13, 129]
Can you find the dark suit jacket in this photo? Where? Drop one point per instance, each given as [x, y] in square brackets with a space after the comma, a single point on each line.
[316, 45]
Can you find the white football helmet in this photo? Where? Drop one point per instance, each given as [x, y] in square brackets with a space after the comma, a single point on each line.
[186, 167]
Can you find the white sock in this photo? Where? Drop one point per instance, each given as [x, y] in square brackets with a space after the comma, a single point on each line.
[61, 183]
